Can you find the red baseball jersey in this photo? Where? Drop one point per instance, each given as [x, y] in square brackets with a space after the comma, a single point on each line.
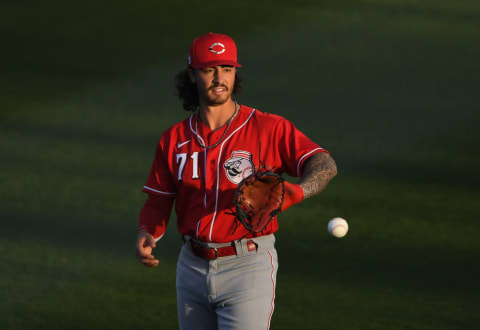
[203, 180]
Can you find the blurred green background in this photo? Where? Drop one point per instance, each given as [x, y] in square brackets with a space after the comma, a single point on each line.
[387, 86]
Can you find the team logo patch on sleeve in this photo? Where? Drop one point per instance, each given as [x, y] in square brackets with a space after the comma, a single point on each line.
[238, 166]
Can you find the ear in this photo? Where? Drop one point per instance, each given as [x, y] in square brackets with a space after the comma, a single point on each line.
[191, 75]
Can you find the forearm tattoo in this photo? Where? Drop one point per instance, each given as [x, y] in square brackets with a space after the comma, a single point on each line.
[318, 170]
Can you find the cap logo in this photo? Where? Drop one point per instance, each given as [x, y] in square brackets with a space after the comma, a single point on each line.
[217, 48]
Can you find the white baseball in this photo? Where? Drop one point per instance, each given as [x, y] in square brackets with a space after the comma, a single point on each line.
[337, 227]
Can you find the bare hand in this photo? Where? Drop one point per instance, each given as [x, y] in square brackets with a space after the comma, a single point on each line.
[144, 247]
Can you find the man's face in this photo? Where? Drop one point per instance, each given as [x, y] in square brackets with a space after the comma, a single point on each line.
[214, 84]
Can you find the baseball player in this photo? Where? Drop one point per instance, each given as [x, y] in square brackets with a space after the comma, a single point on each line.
[226, 274]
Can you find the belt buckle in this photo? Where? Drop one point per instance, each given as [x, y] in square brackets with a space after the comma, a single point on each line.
[203, 251]
[207, 253]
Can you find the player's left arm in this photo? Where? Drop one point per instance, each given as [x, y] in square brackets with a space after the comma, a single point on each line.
[318, 170]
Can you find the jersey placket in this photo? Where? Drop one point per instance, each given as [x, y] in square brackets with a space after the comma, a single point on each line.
[212, 168]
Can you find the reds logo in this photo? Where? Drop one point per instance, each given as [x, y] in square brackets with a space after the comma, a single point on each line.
[217, 48]
[238, 166]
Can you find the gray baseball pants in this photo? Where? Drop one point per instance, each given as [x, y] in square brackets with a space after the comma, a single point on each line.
[228, 293]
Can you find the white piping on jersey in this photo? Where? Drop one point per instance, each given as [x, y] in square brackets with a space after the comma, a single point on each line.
[158, 238]
[301, 159]
[204, 169]
[198, 226]
[193, 131]
[218, 172]
[205, 176]
[158, 191]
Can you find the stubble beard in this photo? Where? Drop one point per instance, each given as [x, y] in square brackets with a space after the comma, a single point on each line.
[212, 99]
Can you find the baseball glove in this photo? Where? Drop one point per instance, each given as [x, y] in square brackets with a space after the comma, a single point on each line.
[258, 198]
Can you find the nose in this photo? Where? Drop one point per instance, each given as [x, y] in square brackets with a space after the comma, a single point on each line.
[218, 75]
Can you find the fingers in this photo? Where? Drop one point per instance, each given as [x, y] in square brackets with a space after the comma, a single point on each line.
[149, 262]
[146, 258]
[143, 249]
[144, 253]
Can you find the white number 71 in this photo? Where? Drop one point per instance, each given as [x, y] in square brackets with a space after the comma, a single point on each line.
[182, 159]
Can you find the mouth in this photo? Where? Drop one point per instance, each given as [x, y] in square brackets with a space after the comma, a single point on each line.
[218, 90]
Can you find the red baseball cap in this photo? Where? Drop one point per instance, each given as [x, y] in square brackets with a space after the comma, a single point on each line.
[213, 49]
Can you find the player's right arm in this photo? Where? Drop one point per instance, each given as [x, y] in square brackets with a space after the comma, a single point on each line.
[153, 220]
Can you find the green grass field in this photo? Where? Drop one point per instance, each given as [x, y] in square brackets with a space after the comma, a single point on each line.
[387, 86]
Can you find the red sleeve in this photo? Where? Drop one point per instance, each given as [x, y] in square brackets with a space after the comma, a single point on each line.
[294, 147]
[159, 181]
[155, 214]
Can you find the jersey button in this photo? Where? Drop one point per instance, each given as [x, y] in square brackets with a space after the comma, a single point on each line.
[212, 161]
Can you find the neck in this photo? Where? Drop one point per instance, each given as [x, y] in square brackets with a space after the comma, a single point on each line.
[217, 116]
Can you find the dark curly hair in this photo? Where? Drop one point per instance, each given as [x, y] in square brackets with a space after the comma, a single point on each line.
[187, 91]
